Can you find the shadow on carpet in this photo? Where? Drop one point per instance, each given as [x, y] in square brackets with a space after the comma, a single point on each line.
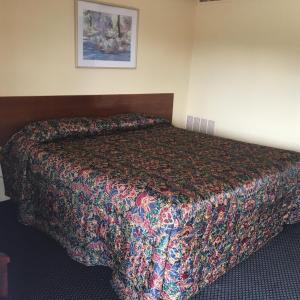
[41, 269]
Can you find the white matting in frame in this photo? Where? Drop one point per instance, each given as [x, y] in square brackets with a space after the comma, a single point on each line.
[106, 35]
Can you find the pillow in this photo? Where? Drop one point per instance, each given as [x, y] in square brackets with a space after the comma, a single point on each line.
[50, 130]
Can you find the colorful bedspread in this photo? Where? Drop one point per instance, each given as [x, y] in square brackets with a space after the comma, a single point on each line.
[168, 210]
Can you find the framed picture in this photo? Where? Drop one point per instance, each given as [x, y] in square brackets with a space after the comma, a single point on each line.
[106, 35]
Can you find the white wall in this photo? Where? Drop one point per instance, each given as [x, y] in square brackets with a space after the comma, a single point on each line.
[233, 61]
[245, 71]
[37, 53]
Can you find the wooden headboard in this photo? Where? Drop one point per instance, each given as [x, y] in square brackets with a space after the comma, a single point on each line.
[15, 112]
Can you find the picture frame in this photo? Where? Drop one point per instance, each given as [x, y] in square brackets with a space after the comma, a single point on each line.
[106, 35]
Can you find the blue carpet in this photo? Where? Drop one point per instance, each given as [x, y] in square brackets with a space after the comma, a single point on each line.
[41, 269]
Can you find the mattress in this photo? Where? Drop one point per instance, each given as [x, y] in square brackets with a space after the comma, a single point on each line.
[167, 209]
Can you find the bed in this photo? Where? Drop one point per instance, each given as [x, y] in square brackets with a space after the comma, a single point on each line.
[167, 209]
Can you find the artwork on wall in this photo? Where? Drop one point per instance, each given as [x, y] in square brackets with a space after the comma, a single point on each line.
[106, 35]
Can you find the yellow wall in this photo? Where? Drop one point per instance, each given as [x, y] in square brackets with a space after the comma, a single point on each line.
[245, 71]
[241, 68]
[37, 51]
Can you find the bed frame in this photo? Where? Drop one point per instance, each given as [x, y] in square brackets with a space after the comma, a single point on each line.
[15, 112]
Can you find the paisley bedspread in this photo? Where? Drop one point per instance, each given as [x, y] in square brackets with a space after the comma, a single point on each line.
[168, 210]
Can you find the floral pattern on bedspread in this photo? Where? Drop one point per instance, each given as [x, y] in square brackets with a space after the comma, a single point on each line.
[168, 210]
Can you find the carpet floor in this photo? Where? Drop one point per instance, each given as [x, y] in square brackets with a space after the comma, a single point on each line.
[41, 269]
